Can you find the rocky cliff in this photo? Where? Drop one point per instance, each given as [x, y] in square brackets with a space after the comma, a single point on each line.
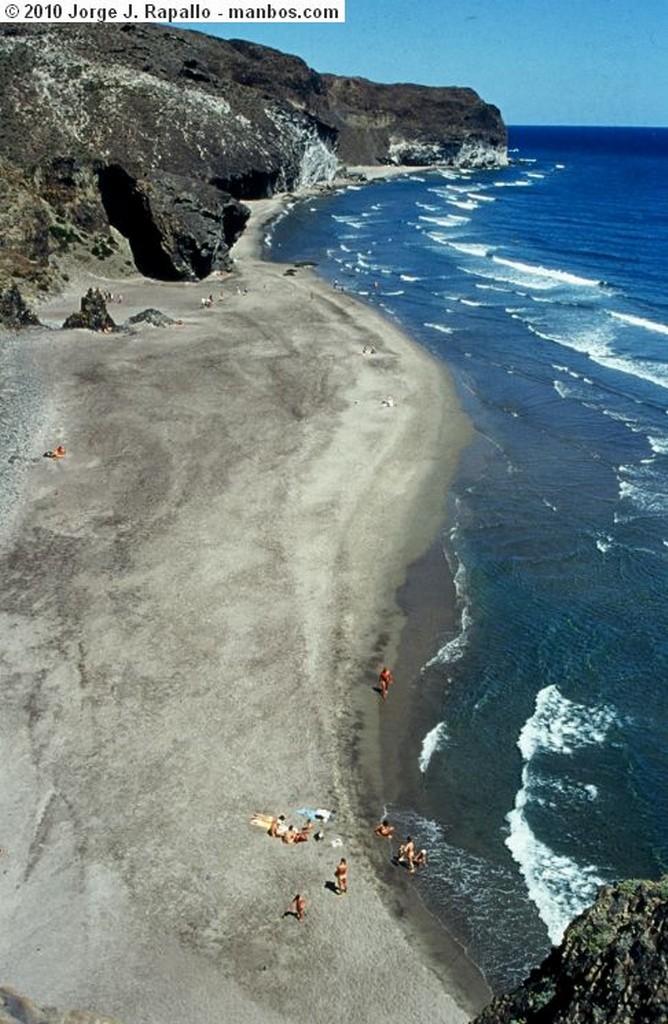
[611, 968]
[139, 143]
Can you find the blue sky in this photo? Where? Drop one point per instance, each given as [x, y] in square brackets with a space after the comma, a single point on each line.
[541, 61]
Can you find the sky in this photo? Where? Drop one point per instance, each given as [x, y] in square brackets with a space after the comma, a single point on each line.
[577, 62]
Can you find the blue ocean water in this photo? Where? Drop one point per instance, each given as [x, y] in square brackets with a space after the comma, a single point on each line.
[544, 288]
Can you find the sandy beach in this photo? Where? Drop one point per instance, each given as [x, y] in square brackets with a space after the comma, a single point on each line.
[196, 602]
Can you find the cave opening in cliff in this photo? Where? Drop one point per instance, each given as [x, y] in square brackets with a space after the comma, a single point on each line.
[128, 210]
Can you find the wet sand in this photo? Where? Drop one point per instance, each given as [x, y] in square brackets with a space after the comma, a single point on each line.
[196, 603]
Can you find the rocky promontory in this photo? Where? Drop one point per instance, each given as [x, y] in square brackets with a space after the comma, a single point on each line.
[611, 968]
[136, 145]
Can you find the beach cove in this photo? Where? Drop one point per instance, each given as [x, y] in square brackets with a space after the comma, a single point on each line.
[197, 601]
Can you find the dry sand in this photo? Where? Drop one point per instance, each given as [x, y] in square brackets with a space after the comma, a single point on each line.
[191, 606]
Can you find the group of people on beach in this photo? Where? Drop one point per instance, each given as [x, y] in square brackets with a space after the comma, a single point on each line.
[407, 854]
[276, 826]
[288, 834]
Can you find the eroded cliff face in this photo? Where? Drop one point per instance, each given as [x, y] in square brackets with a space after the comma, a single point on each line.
[140, 143]
[611, 968]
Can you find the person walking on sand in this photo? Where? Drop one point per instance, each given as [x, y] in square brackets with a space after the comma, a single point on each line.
[385, 680]
[341, 875]
[297, 906]
[384, 829]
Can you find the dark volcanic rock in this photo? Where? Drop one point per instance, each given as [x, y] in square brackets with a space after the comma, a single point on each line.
[158, 133]
[177, 229]
[611, 968]
[13, 310]
[150, 316]
[93, 314]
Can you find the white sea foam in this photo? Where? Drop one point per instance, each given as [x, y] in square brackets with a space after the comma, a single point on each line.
[512, 184]
[556, 276]
[604, 542]
[491, 288]
[454, 649]
[409, 277]
[558, 885]
[350, 222]
[463, 204]
[470, 248]
[435, 740]
[443, 328]
[559, 725]
[564, 390]
[451, 220]
[659, 445]
[644, 488]
[638, 321]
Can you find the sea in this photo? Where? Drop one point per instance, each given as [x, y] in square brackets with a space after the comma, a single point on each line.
[543, 286]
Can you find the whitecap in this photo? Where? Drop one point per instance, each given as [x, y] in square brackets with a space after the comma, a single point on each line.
[559, 886]
[435, 740]
[555, 275]
[470, 248]
[644, 488]
[350, 222]
[450, 221]
[512, 184]
[440, 327]
[638, 321]
[463, 204]
[559, 725]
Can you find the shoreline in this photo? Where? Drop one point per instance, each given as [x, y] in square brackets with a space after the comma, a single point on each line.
[419, 614]
[426, 610]
[139, 584]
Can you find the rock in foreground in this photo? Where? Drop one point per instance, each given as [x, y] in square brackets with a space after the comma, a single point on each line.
[611, 968]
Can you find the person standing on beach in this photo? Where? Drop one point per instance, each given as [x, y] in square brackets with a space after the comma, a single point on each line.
[385, 680]
[407, 854]
[341, 875]
[297, 906]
